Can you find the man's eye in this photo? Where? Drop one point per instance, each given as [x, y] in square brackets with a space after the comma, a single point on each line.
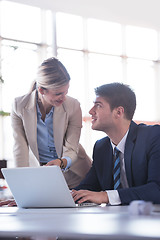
[97, 105]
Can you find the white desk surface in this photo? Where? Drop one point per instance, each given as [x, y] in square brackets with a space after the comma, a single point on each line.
[110, 222]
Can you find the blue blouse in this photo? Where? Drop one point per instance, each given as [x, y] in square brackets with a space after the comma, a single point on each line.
[45, 138]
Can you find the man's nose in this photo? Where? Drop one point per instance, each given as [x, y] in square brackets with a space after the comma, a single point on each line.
[91, 111]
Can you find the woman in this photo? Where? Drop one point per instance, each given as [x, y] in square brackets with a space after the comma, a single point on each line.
[47, 124]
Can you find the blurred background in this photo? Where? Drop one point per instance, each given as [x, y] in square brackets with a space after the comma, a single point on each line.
[99, 41]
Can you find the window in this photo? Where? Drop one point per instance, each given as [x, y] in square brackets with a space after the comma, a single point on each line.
[94, 52]
[21, 60]
[69, 31]
[26, 38]
[140, 75]
[104, 52]
[104, 37]
[73, 61]
[101, 70]
[141, 43]
[24, 23]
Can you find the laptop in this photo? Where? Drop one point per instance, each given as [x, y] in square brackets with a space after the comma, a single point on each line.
[38, 187]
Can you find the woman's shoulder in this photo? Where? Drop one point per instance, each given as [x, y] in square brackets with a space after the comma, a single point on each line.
[22, 98]
[71, 101]
[71, 105]
[22, 101]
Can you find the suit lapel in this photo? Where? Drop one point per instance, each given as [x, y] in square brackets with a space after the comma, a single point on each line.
[103, 156]
[30, 123]
[108, 166]
[129, 146]
[59, 127]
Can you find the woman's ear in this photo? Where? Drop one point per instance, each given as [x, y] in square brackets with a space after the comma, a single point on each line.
[41, 90]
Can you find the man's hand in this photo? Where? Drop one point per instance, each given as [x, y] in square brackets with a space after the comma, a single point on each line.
[85, 195]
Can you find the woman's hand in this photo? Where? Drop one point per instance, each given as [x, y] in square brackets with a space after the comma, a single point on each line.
[57, 162]
[9, 202]
[54, 162]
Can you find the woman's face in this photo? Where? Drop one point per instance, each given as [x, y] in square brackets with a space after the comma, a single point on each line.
[55, 97]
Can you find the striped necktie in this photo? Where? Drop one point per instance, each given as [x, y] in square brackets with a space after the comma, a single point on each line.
[116, 169]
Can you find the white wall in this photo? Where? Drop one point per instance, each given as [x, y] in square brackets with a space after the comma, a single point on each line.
[144, 13]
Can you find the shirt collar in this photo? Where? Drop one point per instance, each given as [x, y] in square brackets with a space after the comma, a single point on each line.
[121, 144]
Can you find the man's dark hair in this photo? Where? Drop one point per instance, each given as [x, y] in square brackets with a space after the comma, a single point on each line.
[118, 94]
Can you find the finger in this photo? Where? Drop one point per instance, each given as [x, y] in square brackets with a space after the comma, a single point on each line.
[84, 199]
[12, 204]
[73, 190]
[6, 202]
[49, 164]
[76, 196]
[74, 193]
[80, 194]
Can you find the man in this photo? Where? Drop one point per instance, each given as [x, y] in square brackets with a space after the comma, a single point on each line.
[139, 157]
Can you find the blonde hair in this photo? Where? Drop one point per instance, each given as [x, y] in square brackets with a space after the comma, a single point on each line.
[51, 74]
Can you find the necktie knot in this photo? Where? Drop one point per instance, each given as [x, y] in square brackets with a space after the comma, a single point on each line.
[116, 152]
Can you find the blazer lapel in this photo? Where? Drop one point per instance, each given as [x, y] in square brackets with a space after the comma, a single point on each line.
[129, 146]
[30, 123]
[59, 127]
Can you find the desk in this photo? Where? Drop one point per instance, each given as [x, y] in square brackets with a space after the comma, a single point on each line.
[109, 222]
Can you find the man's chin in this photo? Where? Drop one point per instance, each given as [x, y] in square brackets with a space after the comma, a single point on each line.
[94, 127]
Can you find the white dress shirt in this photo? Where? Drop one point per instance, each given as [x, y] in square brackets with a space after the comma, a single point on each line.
[113, 195]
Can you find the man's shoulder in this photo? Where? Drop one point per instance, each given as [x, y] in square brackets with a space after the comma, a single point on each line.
[141, 127]
[102, 149]
[148, 128]
[143, 132]
[102, 142]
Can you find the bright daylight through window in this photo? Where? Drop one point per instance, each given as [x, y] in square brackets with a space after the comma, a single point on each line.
[95, 52]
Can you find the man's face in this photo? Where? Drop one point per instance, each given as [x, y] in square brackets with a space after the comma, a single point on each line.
[102, 116]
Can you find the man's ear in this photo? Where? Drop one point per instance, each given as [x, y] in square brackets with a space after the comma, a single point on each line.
[119, 111]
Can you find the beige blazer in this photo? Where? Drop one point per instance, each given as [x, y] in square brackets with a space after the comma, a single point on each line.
[67, 123]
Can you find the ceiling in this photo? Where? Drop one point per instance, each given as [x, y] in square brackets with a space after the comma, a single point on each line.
[145, 13]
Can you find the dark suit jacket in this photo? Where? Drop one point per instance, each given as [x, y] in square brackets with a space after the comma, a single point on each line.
[142, 164]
